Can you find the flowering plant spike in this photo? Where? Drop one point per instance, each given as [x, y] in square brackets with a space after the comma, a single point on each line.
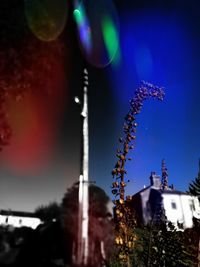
[124, 221]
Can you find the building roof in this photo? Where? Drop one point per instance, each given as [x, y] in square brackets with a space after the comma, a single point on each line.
[175, 192]
[169, 191]
[142, 190]
[18, 213]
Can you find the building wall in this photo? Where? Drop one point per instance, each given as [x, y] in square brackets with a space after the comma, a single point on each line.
[180, 208]
[18, 221]
[146, 215]
[152, 204]
[173, 208]
[136, 207]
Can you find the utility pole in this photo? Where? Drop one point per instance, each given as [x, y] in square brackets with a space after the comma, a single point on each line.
[82, 254]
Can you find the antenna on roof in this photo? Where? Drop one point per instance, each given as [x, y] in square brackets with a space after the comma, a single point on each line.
[164, 176]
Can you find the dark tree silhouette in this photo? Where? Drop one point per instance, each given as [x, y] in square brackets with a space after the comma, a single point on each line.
[47, 213]
[194, 186]
[51, 244]
[100, 223]
[194, 241]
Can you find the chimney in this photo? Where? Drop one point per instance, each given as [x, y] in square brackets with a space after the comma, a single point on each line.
[155, 180]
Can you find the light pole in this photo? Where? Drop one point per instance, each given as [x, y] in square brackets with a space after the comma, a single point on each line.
[82, 255]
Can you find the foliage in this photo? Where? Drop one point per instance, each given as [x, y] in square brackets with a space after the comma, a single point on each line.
[158, 245]
[98, 201]
[100, 223]
[194, 186]
[191, 242]
[47, 213]
[193, 235]
[162, 246]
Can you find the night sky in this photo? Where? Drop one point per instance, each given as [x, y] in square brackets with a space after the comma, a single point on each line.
[159, 42]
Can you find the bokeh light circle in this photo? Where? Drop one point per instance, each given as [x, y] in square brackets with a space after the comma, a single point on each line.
[98, 29]
[46, 18]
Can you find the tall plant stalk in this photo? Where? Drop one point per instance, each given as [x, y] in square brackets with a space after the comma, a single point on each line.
[124, 219]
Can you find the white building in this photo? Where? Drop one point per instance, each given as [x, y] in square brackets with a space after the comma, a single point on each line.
[18, 219]
[179, 207]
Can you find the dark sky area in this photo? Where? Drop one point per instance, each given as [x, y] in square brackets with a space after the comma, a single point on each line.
[158, 41]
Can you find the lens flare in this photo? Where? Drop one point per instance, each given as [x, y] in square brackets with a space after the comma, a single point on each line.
[84, 28]
[34, 108]
[111, 39]
[46, 19]
[98, 30]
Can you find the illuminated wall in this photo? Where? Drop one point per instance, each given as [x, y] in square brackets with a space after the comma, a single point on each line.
[19, 221]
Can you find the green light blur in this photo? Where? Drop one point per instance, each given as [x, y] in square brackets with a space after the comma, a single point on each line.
[78, 16]
[111, 40]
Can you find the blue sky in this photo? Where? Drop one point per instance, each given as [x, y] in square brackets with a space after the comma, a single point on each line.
[160, 47]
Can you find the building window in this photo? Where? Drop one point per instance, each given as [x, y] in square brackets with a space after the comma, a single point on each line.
[191, 203]
[173, 204]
